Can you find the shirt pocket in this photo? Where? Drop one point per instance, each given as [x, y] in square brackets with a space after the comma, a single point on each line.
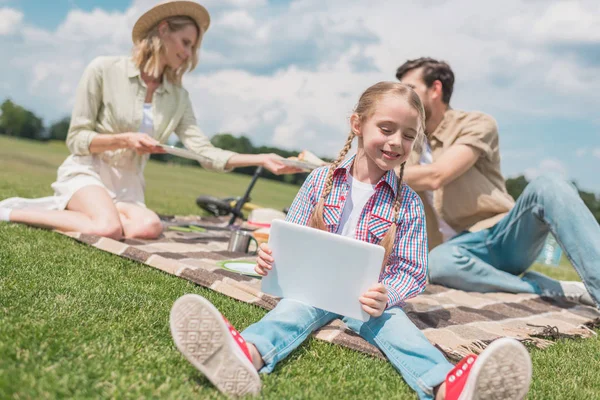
[378, 227]
[331, 216]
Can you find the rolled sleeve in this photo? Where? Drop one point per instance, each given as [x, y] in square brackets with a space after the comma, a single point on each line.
[88, 100]
[304, 202]
[194, 139]
[480, 132]
[405, 276]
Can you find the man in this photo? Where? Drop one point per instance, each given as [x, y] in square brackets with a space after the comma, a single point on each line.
[481, 239]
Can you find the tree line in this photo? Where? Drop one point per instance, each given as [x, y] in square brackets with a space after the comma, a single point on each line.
[17, 121]
[20, 122]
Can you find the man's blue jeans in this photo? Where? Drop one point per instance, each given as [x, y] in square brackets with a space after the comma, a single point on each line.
[285, 327]
[491, 260]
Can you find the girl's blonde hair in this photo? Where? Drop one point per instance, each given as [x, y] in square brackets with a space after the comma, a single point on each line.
[147, 52]
[365, 109]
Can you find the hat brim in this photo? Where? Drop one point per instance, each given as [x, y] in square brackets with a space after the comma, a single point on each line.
[171, 9]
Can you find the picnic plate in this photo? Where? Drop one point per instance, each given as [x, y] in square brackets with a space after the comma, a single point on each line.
[185, 153]
[239, 266]
[299, 164]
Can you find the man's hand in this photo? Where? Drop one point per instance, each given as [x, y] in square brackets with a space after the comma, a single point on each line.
[374, 300]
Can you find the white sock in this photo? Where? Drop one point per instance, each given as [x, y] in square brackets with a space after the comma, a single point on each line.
[5, 214]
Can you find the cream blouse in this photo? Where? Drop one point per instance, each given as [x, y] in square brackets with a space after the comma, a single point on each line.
[110, 99]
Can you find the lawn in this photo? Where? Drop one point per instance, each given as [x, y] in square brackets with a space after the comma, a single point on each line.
[76, 322]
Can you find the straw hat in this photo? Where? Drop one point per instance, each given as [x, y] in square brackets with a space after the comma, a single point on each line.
[170, 9]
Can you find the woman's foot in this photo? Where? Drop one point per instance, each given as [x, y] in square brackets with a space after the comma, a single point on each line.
[501, 372]
[213, 346]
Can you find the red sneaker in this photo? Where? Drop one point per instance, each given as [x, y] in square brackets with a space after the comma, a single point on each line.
[213, 346]
[500, 372]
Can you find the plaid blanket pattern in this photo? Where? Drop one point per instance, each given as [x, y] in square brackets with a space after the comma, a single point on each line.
[456, 322]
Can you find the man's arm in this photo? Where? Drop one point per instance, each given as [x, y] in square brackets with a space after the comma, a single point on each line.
[453, 163]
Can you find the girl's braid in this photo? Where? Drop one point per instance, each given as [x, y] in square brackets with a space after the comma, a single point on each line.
[316, 219]
[390, 236]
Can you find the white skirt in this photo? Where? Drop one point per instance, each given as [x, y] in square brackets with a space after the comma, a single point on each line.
[123, 184]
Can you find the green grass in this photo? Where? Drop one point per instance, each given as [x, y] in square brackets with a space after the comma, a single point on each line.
[76, 322]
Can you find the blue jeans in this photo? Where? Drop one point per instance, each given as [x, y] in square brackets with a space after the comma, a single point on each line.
[491, 260]
[285, 327]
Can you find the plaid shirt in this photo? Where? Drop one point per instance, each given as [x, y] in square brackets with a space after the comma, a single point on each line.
[405, 271]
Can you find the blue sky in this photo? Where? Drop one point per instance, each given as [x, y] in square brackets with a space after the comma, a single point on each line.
[288, 73]
[50, 14]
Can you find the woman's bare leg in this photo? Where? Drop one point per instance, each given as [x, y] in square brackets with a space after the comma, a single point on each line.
[139, 222]
[90, 210]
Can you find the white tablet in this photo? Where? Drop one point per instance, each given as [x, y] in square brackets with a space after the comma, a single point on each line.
[325, 270]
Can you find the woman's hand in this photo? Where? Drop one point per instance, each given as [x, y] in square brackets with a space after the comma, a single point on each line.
[142, 143]
[264, 261]
[374, 300]
[273, 163]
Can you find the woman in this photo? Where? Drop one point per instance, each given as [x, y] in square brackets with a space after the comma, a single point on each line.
[124, 108]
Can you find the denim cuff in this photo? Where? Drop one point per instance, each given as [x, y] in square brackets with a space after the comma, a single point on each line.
[264, 347]
[433, 378]
[534, 285]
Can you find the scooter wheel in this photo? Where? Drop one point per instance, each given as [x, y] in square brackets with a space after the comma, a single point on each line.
[214, 206]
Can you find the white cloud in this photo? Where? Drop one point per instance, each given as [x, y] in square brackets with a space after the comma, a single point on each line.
[237, 20]
[569, 21]
[596, 152]
[10, 20]
[544, 22]
[581, 152]
[547, 167]
[290, 76]
[81, 26]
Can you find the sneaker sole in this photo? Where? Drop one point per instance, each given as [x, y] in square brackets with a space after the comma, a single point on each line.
[502, 372]
[201, 335]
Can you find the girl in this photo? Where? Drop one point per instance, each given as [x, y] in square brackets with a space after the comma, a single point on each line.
[363, 198]
[124, 108]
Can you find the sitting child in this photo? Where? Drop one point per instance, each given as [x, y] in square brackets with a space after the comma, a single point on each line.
[361, 197]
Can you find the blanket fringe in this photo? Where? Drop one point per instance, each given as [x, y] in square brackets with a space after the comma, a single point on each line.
[478, 346]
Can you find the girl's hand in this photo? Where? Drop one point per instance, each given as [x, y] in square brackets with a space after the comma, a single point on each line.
[374, 300]
[273, 163]
[142, 143]
[264, 261]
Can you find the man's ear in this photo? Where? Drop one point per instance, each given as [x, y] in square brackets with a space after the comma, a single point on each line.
[437, 89]
[355, 124]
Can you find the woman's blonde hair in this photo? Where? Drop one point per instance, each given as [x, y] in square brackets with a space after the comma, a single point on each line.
[365, 109]
[148, 51]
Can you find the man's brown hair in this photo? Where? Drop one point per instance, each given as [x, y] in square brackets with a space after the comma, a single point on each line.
[433, 70]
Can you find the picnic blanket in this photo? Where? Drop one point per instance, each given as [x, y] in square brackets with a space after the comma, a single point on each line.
[456, 322]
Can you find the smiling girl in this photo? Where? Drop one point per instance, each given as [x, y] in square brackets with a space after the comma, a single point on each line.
[361, 197]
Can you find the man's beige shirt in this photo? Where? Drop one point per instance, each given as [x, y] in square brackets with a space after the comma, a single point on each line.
[478, 198]
[110, 99]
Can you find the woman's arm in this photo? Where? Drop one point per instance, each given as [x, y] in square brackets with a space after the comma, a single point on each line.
[139, 142]
[271, 161]
[223, 160]
[88, 100]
